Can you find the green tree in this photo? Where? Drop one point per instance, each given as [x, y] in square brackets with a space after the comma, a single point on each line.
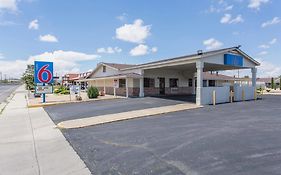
[29, 81]
[272, 83]
[280, 82]
[28, 77]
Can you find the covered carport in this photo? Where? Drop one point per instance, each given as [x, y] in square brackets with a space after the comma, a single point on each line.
[183, 70]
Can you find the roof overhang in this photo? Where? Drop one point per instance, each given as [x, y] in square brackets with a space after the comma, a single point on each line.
[191, 59]
[112, 77]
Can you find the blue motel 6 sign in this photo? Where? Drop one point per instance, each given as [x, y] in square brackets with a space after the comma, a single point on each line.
[43, 72]
[233, 60]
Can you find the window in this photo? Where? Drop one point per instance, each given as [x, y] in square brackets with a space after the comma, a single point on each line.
[190, 82]
[212, 83]
[149, 82]
[204, 83]
[103, 68]
[122, 83]
[174, 82]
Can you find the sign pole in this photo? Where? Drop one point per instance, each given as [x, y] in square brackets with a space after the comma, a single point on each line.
[44, 95]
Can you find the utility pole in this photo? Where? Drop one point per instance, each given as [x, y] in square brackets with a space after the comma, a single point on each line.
[1, 76]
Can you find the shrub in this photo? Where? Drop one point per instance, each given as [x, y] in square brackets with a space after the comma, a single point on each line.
[57, 91]
[93, 92]
[61, 90]
[65, 92]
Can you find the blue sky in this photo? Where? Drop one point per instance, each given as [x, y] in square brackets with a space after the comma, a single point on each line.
[76, 35]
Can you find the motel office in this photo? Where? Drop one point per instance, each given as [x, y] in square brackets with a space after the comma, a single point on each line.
[181, 75]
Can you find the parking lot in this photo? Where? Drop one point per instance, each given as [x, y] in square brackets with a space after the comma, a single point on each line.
[88, 109]
[240, 138]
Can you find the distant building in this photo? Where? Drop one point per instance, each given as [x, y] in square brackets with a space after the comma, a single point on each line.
[68, 79]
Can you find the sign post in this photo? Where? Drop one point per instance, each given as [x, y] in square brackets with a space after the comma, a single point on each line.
[43, 74]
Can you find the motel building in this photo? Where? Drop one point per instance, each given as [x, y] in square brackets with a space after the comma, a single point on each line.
[186, 75]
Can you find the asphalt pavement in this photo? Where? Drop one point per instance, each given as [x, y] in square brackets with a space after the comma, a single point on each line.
[95, 108]
[241, 138]
[6, 90]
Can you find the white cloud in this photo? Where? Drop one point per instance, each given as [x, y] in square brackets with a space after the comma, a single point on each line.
[122, 17]
[263, 53]
[267, 69]
[8, 5]
[227, 8]
[109, 50]
[227, 19]
[273, 41]
[135, 33]
[34, 25]
[154, 49]
[64, 62]
[7, 23]
[48, 38]
[220, 6]
[255, 4]
[274, 21]
[212, 43]
[1, 56]
[142, 49]
[139, 50]
[13, 69]
[267, 46]
[264, 46]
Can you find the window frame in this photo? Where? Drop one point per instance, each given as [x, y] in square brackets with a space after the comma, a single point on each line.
[148, 82]
[103, 68]
[122, 84]
[174, 84]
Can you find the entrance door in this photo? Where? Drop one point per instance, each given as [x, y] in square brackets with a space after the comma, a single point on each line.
[162, 86]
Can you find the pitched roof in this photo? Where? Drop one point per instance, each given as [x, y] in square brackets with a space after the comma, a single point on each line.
[214, 76]
[196, 56]
[265, 80]
[119, 66]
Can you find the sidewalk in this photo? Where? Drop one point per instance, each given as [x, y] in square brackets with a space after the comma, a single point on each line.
[56, 99]
[31, 145]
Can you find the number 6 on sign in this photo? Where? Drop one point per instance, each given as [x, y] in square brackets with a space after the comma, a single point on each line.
[43, 72]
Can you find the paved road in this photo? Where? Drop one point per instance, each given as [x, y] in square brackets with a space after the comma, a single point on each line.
[88, 109]
[242, 139]
[6, 90]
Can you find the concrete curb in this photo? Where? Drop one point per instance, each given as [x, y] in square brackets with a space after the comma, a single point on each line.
[6, 102]
[102, 119]
[67, 102]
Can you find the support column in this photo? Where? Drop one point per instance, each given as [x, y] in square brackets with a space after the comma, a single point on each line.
[104, 89]
[193, 84]
[141, 93]
[254, 77]
[127, 88]
[199, 67]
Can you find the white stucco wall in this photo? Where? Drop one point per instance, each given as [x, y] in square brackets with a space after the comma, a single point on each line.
[222, 94]
[219, 59]
[249, 92]
[109, 71]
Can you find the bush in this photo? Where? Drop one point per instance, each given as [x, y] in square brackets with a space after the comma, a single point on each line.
[65, 92]
[93, 92]
[61, 90]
